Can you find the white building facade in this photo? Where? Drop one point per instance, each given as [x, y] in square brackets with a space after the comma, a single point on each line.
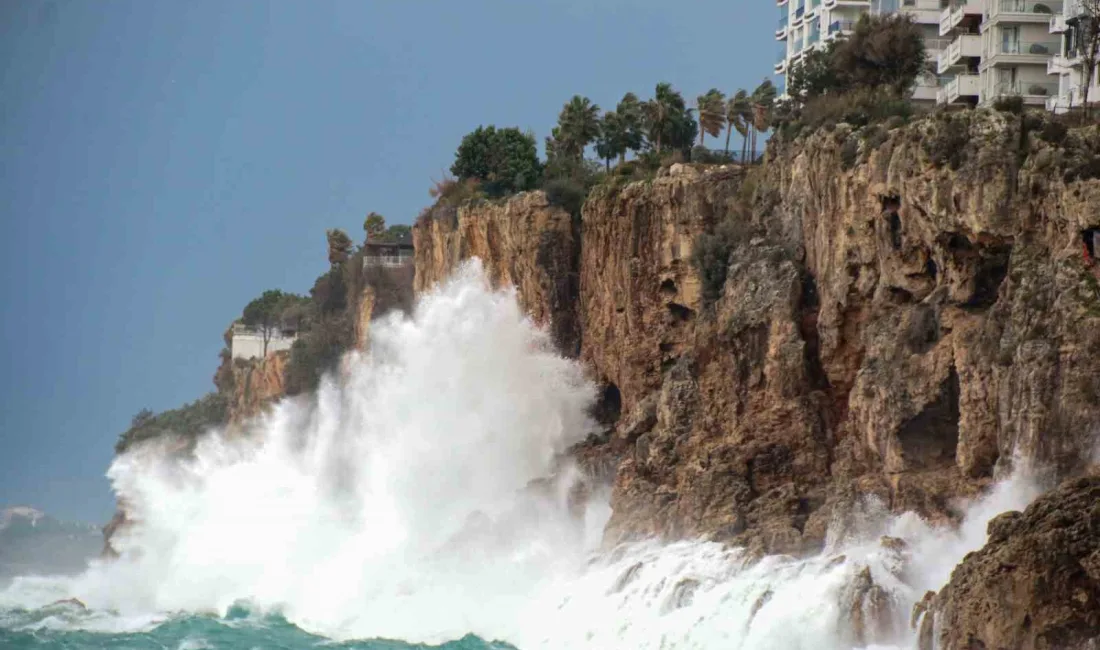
[808, 24]
[1067, 68]
[248, 343]
[978, 50]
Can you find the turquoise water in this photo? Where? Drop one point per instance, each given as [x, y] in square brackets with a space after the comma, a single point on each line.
[53, 628]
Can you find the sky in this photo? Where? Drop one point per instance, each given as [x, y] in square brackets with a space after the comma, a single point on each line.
[163, 162]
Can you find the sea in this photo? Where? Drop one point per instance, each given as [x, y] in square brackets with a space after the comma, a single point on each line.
[404, 506]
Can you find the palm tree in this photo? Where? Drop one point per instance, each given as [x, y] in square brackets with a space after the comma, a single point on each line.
[763, 101]
[736, 110]
[578, 125]
[712, 113]
[611, 142]
[661, 112]
[631, 118]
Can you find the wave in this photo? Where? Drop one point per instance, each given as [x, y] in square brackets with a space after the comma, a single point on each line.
[407, 501]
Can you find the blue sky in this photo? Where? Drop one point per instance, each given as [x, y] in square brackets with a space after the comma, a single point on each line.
[161, 163]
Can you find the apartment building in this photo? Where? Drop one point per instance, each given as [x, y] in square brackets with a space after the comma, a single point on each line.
[978, 50]
[999, 48]
[1066, 68]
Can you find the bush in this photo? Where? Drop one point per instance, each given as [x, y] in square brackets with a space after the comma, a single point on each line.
[858, 108]
[706, 156]
[1009, 104]
[712, 253]
[947, 144]
[566, 193]
[188, 421]
[849, 153]
[505, 161]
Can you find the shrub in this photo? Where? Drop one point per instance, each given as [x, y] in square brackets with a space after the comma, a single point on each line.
[712, 252]
[567, 193]
[858, 108]
[706, 156]
[188, 421]
[947, 144]
[505, 161]
[1009, 104]
[849, 153]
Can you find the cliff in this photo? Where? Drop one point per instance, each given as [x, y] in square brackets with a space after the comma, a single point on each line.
[250, 385]
[522, 242]
[1036, 584]
[897, 312]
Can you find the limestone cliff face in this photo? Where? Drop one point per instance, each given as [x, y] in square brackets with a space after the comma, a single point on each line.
[1036, 584]
[255, 384]
[523, 242]
[905, 312]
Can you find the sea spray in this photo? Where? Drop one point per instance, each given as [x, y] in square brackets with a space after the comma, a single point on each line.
[403, 502]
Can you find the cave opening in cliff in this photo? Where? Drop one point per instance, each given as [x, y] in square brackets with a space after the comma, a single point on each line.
[680, 313]
[991, 272]
[1090, 237]
[609, 406]
[930, 439]
[668, 287]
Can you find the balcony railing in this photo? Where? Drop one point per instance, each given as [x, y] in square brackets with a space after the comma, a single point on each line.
[1038, 48]
[1031, 6]
[838, 26]
[1030, 88]
[814, 37]
[784, 20]
[799, 11]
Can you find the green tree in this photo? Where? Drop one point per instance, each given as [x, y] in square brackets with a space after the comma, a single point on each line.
[668, 120]
[504, 161]
[397, 232]
[712, 113]
[374, 225]
[763, 101]
[339, 246]
[737, 109]
[632, 120]
[578, 125]
[883, 50]
[611, 142]
[816, 74]
[263, 313]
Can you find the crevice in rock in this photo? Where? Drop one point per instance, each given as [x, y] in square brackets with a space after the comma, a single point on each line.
[990, 274]
[931, 438]
[1090, 238]
[668, 287]
[680, 313]
[609, 407]
[923, 329]
[895, 230]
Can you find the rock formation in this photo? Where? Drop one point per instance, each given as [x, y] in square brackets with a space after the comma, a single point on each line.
[1035, 585]
[897, 321]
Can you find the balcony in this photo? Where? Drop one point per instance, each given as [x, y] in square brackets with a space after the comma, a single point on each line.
[799, 14]
[952, 16]
[831, 4]
[781, 31]
[781, 66]
[1061, 63]
[1028, 10]
[1020, 53]
[839, 28]
[964, 46]
[1057, 24]
[963, 88]
[926, 12]
[781, 3]
[1034, 93]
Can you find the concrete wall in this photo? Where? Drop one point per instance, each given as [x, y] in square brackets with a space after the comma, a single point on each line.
[249, 345]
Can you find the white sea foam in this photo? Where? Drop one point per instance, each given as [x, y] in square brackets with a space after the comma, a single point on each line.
[397, 505]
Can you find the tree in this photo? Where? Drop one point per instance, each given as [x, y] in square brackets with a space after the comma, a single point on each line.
[374, 225]
[611, 141]
[263, 313]
[578, 125]
[883, 50]
[397, 232]
[1086, 31]
[632, 121]
[736, 109]
[668, 120]
[339, 246]
[815, 74]
[763, 100]
[504, 161]
[712, 113]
